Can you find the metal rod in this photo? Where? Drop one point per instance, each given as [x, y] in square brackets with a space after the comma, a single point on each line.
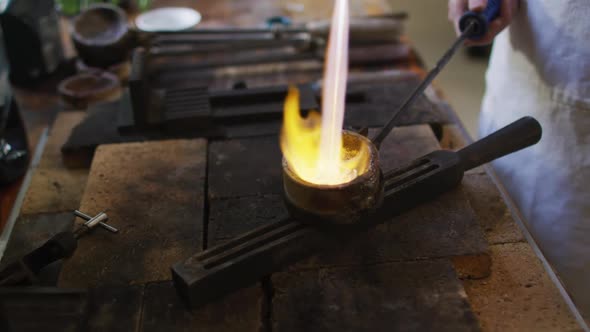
[278, 30]
[423, 85]
[108, 227]
[102, 224]
[246, 61]
[82, 215]
[262, 40]
[185, 48]
[233, 31]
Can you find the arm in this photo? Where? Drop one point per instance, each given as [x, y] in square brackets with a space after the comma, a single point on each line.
[458, 7]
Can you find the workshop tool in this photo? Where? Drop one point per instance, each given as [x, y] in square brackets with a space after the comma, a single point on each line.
[91, 222]
[363, 30]
[197, 108]
[373, 40]
[369, 101]
[473, 25]
[375, 54]
[242, 261]
[24, 272]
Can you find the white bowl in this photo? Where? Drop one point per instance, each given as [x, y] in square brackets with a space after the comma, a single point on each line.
[168, 19]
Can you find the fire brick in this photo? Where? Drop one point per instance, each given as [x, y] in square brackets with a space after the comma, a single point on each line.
[408, 296]
[154, 193]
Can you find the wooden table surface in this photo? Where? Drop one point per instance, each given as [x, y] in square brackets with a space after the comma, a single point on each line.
[468, 251]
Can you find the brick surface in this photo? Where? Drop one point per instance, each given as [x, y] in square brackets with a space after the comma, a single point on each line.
[114, 309]
[445, 227]
[491, 211]
[153, 192]
[411, 296]
[518, 295]
[245, 167]
[163, 311]
[405, 144]
[45, 309]
[54, 187]
[375, 102]
[55, 190]
[232, 217]
[244, 186]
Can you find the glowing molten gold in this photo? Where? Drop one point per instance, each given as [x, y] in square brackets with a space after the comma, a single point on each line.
[300, 143]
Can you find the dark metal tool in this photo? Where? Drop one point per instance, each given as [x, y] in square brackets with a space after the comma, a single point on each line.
[369, 54]
[25, 271]
[240, 116]
[242, 261]
[473, 25]
[197, 108]
[314, 34]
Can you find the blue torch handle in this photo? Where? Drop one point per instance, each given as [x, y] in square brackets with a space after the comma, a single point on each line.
[481, 19]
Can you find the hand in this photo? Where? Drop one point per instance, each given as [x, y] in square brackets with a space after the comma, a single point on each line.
[458, 7]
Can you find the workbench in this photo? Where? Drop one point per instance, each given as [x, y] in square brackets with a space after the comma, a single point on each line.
[459, 262]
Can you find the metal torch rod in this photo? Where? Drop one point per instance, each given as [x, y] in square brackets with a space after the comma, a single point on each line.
[423, 85]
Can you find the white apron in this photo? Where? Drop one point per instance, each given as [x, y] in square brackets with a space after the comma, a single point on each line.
[540, 66]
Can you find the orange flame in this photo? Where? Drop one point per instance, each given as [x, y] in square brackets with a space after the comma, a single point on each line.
[313, 146]
[300, 144]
